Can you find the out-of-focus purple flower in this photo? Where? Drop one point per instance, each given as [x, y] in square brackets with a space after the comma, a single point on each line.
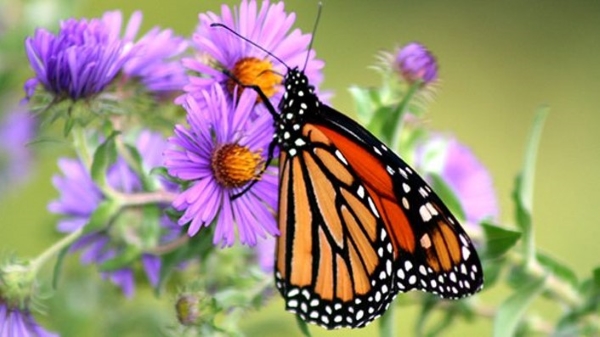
[17, 128]
[415, 62]
[269, 27]
[79, 198]
[154, 61]
[81, 59]
[456, 164]
[15, 322]
[221, 153]
[265, 252]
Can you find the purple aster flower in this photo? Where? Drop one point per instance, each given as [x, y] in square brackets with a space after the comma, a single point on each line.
[80, 197]
[15, 322]
[269, 27]
[456, 164]
[415, 62]
[81, 59]
[220, 154]
[17, 128]
[154, 61]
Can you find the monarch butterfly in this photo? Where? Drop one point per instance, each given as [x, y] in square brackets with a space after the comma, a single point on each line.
[357, 224]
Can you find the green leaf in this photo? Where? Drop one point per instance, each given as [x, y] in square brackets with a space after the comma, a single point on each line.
[103, 214]
[558, 269]
[162, 172]
[429, 304]
[492, 271]
[523, 193]
[596, 278]
[378, 122]
[396, 115]
[69, 123]
[512, 310]
[386, 322]
[448, 196]
[302, 326]
[124, 259]
[136, 163]
[430, 325]
[105, 155]
[498, 240]
[364, 105]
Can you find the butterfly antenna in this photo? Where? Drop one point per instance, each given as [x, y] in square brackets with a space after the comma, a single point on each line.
[220, 25]
[314, 32]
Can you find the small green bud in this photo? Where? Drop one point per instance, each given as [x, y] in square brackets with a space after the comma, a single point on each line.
[16, 283]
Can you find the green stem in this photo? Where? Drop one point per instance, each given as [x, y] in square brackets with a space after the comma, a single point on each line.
[527, 182]
[81, 145]
[398, 114]
[126, 154]
[138, 199]
[49, 253]
[386, 322]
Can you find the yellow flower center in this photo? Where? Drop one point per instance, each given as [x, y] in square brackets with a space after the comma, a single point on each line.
[234, 165]
[253, 71]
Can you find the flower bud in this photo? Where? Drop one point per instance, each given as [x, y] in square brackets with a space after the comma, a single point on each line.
[416, 63]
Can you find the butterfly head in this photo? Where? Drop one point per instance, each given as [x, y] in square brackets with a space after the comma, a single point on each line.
[298, 105]
[297, 90]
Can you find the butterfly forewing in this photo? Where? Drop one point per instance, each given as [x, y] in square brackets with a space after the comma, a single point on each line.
[334, 264]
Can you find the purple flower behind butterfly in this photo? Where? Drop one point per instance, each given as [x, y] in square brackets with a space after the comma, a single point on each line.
[465, 175]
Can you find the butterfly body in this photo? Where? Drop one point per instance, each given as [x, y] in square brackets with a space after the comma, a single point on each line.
[357, 224]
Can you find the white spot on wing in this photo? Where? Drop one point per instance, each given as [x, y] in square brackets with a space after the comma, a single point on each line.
[425, 214]
[373, 208]
[361, 192]
[405, 187]
[376, 150]
[341, 157]
[466, 252]
[432, 209]
[405, 203]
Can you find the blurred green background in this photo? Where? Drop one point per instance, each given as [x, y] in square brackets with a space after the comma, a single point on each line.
[499, 61]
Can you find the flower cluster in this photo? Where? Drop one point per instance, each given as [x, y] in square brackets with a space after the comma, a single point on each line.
[80, 197]
[225, 149]
[85, 56]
